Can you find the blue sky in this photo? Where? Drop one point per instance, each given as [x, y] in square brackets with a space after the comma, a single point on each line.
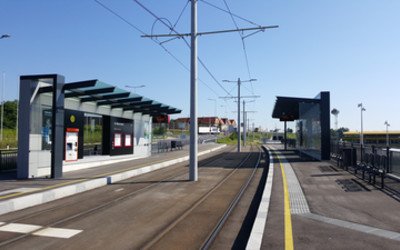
[350, 48]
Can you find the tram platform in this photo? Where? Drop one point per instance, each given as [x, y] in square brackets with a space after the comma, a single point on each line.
[316, 205]
[19, 194]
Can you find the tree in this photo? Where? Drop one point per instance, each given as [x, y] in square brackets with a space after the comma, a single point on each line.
[341, 130]
[338, 133]
[10, 114]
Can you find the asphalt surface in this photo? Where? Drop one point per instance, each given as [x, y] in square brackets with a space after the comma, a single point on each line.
[162, 210]
[135, 213]
[323, 185]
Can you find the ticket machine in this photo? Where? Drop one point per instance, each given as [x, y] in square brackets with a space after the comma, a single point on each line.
[71, 144]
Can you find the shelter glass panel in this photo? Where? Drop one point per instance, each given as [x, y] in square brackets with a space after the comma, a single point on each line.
[93, 134]
[309, 129]
[40, 134]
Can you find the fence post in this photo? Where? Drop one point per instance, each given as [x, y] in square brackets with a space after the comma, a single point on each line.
[362, 152]
[374, 156]
[388, 161]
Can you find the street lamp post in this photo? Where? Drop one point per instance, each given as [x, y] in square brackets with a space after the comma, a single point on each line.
[135, 87]
[2, 95]
[360, 105]
[2, 106]
[387, 133]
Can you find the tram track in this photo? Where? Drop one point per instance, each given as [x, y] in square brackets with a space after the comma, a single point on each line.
[219, 225]
[177, 172]
[213, 235]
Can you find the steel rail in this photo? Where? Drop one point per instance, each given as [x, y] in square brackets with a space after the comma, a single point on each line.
[195, 205]
[213, 235]
[203, 162]
[107, 204]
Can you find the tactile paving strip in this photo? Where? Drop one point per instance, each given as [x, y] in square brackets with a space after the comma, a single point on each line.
[298, 202]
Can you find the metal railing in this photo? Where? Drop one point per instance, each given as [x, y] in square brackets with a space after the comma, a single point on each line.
[92, 149]
[368, 160]
[8, 159]
[167, 145]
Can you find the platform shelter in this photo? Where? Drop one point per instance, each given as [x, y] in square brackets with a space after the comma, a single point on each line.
[312, 116]
[62, 122]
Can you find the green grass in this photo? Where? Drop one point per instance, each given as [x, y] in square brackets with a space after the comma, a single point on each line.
[232, 139]
[92, 137]
[9, 139]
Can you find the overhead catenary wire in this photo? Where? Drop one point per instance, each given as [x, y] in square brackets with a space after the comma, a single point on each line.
[237, 16]
[155, 41]
[180, 15]
[185, 41]
[243, 44]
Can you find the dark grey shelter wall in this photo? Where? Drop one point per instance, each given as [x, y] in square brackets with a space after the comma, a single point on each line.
[106, 137]
[112, 127]
[325, 126]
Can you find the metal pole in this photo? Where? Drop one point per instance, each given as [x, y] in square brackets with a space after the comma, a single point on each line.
[285, 134]
[2, 106]
[193, 175]
[16, 127]
[387, 133]
[362, 135]
[244, 123]
[238, 129]
[360, 105]
[209, 125]
[387, 136]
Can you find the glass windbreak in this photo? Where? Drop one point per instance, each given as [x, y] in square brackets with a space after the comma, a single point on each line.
[395, 161]
[92, 134]
[309, 129]
[142, 132]
[40, 134]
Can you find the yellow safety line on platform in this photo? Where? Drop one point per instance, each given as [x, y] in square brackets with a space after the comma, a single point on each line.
[288, 218]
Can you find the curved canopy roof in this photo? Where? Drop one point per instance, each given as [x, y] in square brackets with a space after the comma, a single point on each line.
[104, 94]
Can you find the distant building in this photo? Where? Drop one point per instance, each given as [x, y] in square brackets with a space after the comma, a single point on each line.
[209, 124]
[180, 123]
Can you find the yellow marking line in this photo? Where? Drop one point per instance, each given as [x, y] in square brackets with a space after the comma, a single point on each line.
[288, 219]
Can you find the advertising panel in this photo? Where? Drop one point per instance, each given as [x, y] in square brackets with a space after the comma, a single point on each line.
[46, 129]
